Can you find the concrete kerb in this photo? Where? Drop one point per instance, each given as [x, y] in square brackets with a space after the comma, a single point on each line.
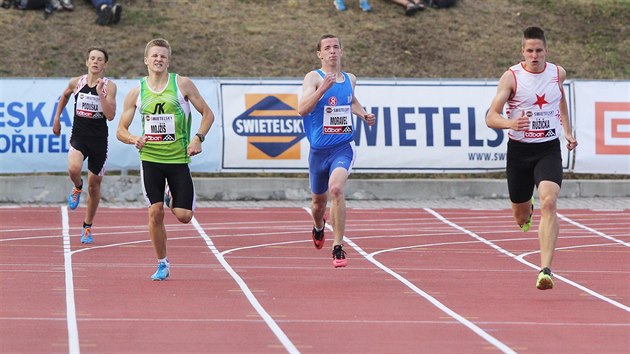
[127, 189]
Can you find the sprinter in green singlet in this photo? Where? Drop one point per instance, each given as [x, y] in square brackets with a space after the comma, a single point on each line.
[163, 100]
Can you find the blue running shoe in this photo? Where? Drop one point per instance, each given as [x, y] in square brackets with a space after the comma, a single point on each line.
[162, 271]
[86, 235]
[340, 5]
[74, 198]
[365, 5]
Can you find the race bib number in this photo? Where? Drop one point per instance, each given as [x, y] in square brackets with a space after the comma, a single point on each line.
[542, 124]
[337, 120]
[159, 127]
[89, 106]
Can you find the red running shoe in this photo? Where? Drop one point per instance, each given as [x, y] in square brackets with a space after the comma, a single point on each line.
[319, 237]
[339, 256]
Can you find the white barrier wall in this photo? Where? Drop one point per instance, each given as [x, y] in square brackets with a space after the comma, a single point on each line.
[422, 126]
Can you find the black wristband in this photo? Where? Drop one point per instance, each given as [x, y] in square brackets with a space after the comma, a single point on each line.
[201, 137]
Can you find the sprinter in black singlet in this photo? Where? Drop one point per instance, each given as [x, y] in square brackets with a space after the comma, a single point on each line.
[95, 104]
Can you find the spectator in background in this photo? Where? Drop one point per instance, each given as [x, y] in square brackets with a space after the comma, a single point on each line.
[363, 4]
[49, 6]
[536, 113]
[108, 11]
[411, 6]
[94, 105]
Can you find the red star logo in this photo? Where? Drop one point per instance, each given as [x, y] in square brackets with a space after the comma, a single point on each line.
[540, 101]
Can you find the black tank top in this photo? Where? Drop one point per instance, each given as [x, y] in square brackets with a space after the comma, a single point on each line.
[89, 119]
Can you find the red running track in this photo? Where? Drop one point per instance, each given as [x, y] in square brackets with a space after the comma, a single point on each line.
[250, 280]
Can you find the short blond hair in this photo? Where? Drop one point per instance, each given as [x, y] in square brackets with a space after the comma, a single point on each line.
[158, 42]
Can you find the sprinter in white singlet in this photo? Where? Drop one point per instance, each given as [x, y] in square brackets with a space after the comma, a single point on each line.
[536, 108]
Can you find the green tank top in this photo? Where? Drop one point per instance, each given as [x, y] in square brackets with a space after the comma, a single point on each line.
[166, 122]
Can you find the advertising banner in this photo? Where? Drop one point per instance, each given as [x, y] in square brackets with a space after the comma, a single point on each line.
[28, 145]
[422, 126]
[602, 127]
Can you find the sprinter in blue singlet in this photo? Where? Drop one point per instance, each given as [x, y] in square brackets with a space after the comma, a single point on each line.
[327, 105]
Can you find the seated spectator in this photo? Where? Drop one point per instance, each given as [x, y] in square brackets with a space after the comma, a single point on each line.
[49, 6]
[108, 11]
[363, 4]
[411, 6]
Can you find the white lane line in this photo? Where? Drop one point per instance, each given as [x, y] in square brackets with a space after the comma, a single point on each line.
[476, 329]
[520, 259]
[523, 255]
[71, 315]
[282, 337]
[599, 233]
[461, 319]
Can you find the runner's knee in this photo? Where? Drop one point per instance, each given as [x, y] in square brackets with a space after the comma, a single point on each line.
[183, 215]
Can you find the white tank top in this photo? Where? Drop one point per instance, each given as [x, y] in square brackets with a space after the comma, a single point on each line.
[538, 95]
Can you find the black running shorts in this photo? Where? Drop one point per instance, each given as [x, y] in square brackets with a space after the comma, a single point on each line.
[94, 149]
[154, 179]
[530, 163]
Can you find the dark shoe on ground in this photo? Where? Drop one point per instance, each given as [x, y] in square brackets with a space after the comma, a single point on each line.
[104, 16]
[411, 9]
[116, 13]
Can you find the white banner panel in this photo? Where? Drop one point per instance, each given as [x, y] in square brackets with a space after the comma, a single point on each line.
[27, 144]
[602, 127]
[422, 126]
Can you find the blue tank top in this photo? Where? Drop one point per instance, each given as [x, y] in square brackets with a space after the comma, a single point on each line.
[330, 123]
